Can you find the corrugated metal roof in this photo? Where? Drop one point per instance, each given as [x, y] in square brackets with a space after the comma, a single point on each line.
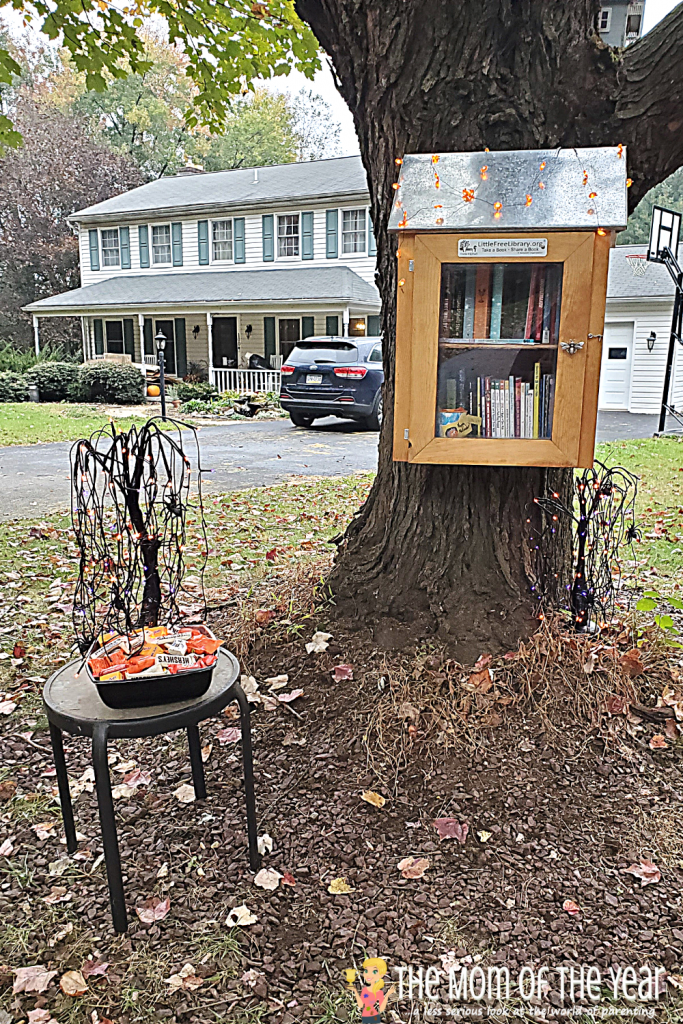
[295, 284]
[622, 283]
[512, 190]
[314, 179]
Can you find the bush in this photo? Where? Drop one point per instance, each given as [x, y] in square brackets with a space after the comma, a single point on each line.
[54, 380]
[13, 387]
[200, 392]
[109, 382]
[22, 360]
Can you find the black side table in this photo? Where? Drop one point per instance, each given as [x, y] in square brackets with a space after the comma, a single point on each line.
[72, 704]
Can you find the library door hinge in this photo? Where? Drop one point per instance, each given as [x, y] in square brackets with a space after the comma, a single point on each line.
[411, 265]
[571, 346]
[405, 434]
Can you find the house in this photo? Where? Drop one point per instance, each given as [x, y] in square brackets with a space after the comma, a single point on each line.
[620, 22]
[639, 309]
[224, 265]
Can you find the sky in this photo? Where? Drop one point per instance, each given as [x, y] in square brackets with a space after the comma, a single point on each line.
[323, 84]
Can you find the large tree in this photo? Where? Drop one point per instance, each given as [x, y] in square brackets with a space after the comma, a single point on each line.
[435, 549]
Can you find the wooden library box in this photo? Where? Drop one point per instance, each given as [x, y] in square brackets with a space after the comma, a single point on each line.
[502, 280]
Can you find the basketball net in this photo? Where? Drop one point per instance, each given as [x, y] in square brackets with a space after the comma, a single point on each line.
[637, 263]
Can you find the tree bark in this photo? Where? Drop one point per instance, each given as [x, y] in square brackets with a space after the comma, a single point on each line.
[446, 550]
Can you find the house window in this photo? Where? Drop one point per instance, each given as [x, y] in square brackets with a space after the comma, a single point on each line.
[633, 24]
[290, 333]
[288, 235]
[161, 243]
[222, 240]
[353, 231]
[604, 19]
[111, 255]
[357, 327]
[114, 333]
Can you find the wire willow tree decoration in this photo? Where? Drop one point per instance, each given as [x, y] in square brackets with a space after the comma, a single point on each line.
[603, 520]
[132, 503]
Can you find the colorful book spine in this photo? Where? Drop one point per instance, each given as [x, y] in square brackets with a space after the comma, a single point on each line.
[482, 301]
[518, 407]
[548, 303]
[540, 299]
[468, 308]
[487, 393]
[531, 304]
[496, 301]
[551, 405]
[537, 388]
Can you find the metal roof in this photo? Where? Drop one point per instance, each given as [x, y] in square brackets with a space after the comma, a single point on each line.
[513, 190]
[215, 288]
[622, 283]
[217, 190]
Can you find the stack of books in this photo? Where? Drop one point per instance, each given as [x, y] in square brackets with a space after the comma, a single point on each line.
[508, 407]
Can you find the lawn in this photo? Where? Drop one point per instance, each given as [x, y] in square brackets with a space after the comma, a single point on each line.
[31, 423]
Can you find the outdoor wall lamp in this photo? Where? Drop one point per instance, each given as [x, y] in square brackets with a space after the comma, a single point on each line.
[160, 341]
[195, 330]
[248, 330]
[651, 341]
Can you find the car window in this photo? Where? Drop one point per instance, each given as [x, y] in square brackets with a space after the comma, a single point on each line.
[376, 355]
[337, 352]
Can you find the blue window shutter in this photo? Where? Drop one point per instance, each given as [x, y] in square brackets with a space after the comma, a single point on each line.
[268, 238]
[99, 337]
[177, 238]
[332, 326]
[129, 339]
[268, 336]
[203, 237]
[143, 238]
[238, 240]
[94, 249]
[372, 244]
[180, 348]
[307, 326]
[124, 242]
[332, 217]
[306, 236]
[374, 326]
[148, 337]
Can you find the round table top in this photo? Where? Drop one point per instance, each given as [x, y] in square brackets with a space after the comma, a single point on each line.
[73, 703]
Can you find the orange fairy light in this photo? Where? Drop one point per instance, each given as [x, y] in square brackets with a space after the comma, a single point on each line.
[542, 167]
[468, 195]
[401, 282]
[404, 220]
[435, 158]
[398, 254]
[585, 177]
[629, 182]
[484, 172]
[437, 180]
[529, 200]
[541, 184]
[498, 210]
[398, 161]
[592, 195]
[601, 231]
[439, 220]
[620, 150]
[395, 185]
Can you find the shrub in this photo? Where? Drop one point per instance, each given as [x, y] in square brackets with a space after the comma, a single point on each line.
[13, 387]
[200, 392]
[109, 382]
[54, 380]
[22, 360]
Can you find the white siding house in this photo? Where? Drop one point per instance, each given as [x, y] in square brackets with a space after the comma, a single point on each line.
[632, 376]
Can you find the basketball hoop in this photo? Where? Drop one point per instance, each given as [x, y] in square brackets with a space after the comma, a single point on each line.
[637, 263]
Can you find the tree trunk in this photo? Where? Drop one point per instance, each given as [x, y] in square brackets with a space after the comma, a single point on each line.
[446, 550]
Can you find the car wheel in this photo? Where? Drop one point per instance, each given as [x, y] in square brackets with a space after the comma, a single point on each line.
[374, 420]
[299, 419]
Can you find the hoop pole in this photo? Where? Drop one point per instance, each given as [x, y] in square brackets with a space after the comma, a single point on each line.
[675, 332]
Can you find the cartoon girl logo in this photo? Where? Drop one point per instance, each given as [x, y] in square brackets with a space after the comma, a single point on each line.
[371, 1000]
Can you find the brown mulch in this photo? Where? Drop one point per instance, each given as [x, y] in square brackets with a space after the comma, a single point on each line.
[570, 794]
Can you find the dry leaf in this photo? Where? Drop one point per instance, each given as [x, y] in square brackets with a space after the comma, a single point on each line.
[137, 778]
[153, 909]
[287, 698]
[58, 894]
[122, 792]
[342, 672]
[6, 848]
[373, 798]
[292, 740]
[658, 743]
[230, 735]
[44, 830]
[277, 682]
[264, 615]
[483, 661]
[318, 644]
[73, 984]
[451, 828]
[94, 969]
[61, 934]
[7, 707]
[38, 1016]
[631, 663]
[32, 979]
[288, 878]
[241, 916]
[184, 794]
[122, 766]
[185, 979]
[672, 729]
[413, 867]
[264, 844]
[268, 878]
[339, 886]
[163, 870]
[646, 871]
[617, 705]
[206, 752]
[571, 908]
[590, 663]
[480, 682]
[7, 789]
[58, 867]
[484, 836]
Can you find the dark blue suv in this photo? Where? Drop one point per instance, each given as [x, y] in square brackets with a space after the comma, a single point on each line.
[334, 377]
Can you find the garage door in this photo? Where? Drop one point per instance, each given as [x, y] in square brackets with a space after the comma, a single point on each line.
[617, 358]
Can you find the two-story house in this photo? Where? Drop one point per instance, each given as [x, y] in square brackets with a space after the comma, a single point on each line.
[225, 264]
[620, 22]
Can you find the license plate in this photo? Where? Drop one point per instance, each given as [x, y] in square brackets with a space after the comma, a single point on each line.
[314, 378]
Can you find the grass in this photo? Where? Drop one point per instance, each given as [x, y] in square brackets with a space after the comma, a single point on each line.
[31, 423]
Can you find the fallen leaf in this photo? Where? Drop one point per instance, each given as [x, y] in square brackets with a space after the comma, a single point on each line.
[58, 894]
[19, 650]
[61, 934]
[342, 672]
[409, 711]
[230, 735]
[268, 878]
[264, 844]
[39, 1016]
[319, 643]
[184, 794]
[44, 830]
[480, 682]
[413, 867]
[32, 979]
[122, 766]
[590, 663]
[271, 555]
[484, 836]
[241, 916]
[483, 661]
[672, 729]
[292, 740]
[7, 707]
[277, 682]
[631, 663]
[251, 977]
[451, 828]
[7, 789]
[59, 866]
[73, 984]
[264, 615]
[250, 687]
[137, 778]
[206, 752]
[122, 792]
[339, 886]
[287, 698]
[6, 848]
[373, 798]
[646, 871]
[617, 705]
[163, 870]
[288, 878]
[153, 909]
[185, 979]
[571, 908]
[658, 743]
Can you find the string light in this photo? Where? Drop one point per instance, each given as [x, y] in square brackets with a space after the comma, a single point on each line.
[601, 231]
[541, 184]
[498, 210]
[592, 195]
[468, 195]
[483, 173]
[398, 161]
[542, 166]
[585, 178]
[629, 182]
[402, 282]
[529, 199]
[620, 150]
[395, 185]
[435, 158]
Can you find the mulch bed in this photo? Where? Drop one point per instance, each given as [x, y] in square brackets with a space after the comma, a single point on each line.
[568, 802]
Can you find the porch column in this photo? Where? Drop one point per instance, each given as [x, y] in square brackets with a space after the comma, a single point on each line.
[209, 331]
[141, 332]
[84, 339]
[345, 322]
[36, 334]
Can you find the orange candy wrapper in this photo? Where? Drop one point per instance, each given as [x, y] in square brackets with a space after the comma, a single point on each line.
[113, 661]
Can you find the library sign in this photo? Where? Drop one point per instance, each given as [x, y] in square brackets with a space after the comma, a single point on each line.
[502, 280]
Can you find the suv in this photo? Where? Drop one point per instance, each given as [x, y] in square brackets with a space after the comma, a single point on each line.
[334, 377]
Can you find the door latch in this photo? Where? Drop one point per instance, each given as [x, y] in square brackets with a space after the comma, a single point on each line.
[571, 346]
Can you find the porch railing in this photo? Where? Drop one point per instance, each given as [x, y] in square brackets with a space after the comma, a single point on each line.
[254, 381]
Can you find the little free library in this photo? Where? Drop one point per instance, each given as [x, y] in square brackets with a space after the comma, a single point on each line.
[502, 281]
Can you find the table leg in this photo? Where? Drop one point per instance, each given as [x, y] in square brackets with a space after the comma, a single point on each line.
[108, 826]
[245, 721]
[63, 783]
[196, 762]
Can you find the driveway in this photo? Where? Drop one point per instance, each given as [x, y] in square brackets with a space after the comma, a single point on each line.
[35, 479]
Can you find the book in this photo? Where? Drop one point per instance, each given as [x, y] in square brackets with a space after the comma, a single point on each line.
[482, 300]
[540, 299]
[531, 303]
[518, 407]
[468, 304]
[537, 385]
[496, 301]
[487, 393]
[548, 303]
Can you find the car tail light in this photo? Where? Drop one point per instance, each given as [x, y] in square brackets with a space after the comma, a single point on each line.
[287, 369]
[350, 371]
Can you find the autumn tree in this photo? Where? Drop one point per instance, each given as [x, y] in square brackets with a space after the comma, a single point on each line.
[436, 549]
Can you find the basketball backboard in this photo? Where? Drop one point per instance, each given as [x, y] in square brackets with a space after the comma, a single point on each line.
[664, 233]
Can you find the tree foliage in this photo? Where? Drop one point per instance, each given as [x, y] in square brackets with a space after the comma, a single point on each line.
[668, 193]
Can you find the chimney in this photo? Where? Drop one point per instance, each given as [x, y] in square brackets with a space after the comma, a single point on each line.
[189, 169]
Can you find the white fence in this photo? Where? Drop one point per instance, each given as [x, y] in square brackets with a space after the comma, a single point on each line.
[254, 381]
